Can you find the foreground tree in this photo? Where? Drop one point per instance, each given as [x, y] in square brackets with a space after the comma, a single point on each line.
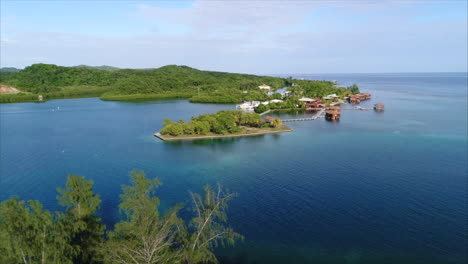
[28, 234]
[143, 236]
[209, 226]
[85, 230]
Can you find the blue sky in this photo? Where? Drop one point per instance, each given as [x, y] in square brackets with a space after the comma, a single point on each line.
[263, 37]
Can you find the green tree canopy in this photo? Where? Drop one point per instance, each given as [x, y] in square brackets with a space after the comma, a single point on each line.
[30, 234]
[85, 228]
[170, 81]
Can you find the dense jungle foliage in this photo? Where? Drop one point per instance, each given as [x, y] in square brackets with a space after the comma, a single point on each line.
[221, 123]
[167, 82]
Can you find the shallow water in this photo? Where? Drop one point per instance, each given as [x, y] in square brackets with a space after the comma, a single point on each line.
[372, 188]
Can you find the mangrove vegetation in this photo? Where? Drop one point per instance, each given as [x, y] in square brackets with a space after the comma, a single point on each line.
[221, 123]
[168, 82]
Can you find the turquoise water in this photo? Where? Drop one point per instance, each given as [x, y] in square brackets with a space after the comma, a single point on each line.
[385, 187]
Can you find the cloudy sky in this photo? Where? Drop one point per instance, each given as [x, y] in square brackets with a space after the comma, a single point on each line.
[263, 37]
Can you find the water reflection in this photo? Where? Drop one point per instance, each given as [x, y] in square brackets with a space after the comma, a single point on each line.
[217, 142]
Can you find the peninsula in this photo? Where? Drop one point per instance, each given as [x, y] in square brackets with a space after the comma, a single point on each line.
[50, 81]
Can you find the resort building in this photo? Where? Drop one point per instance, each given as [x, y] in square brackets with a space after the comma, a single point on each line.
[330, 97]
[311, 104]
[307, 100]
[335, 107]
[317, 104]
[285, 94]
[248, 105]
[333, 113]
[275, 101]
[264, 87]
[379, 107]
[269, 119]
[357, 98]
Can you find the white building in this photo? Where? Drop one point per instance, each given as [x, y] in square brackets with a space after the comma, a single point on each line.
[265, 87]
[248, 105]
[275, 101]
[331, 97]
[305, 99]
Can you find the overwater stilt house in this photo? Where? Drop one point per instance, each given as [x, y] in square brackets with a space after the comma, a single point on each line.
[317, 104]
[312, 104]
[357, 98]
[379, 107]
[334, 107]
[333, 113]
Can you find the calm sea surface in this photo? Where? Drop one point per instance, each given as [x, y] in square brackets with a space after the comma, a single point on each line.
[385, 187]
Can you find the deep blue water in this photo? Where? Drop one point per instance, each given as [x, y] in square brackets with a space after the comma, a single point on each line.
[385, 187]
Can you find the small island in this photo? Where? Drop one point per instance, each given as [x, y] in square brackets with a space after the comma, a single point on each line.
[224, 124]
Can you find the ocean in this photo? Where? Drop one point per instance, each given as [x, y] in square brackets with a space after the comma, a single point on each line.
[374, 187]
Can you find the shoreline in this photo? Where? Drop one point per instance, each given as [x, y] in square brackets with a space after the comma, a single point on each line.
[191, 137]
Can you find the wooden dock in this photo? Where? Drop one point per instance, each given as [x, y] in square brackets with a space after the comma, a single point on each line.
[321, 113]
[318, 115]
[345, 108]
[356, 108]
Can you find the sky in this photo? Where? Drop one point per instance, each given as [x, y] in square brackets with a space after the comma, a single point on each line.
[259, 37]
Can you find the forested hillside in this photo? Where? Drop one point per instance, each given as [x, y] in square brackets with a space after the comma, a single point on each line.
[9, 69]
[170, 81]
[103, 67]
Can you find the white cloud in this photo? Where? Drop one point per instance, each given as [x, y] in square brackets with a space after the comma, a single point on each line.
[252, 26]
[260, 37]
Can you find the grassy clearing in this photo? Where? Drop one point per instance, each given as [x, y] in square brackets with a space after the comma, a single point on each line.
[81, 91]
[18, 98]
